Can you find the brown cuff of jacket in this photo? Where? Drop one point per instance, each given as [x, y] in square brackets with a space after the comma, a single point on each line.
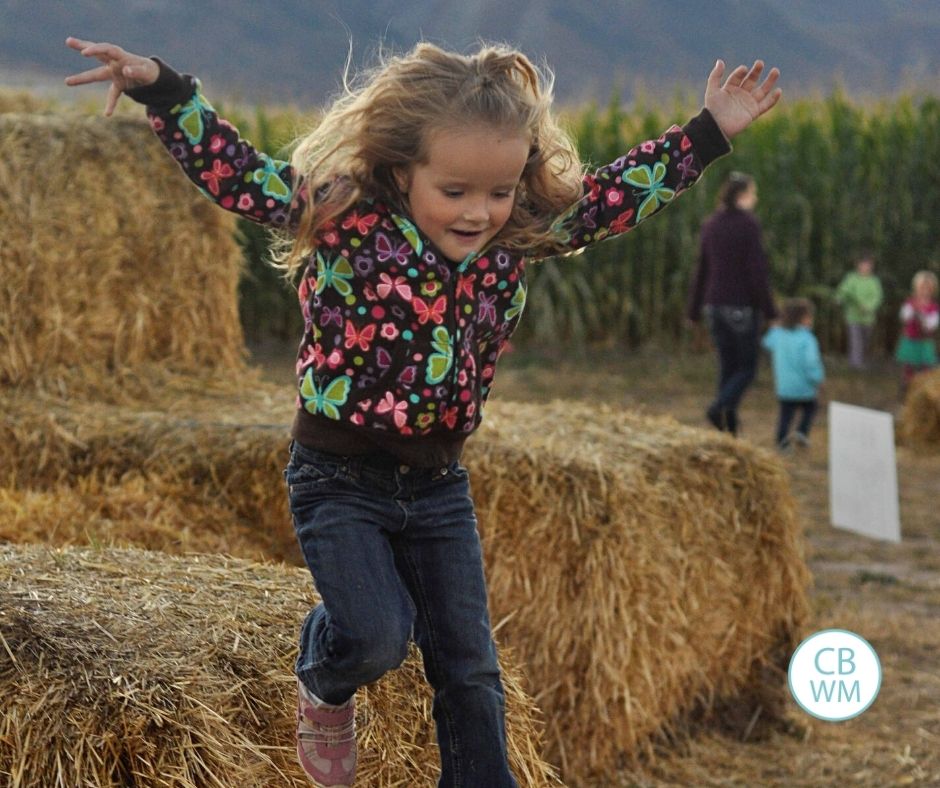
[170, 89]
[707, 138]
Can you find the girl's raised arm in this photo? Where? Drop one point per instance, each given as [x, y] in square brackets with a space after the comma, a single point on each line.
[652, 174]
[226, 169]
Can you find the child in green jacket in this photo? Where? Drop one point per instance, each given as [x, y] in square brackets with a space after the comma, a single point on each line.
[860, 294]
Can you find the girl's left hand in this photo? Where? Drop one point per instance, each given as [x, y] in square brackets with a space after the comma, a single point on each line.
[743, 98]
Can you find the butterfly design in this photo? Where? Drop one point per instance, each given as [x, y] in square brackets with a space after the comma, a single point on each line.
[399, 285]
[269, 176]
[649, 181]
[517, 302]
[362, 223]
[362, 338]
[398, 409]
[487, 310]
[383, 358]
[331, 315]
[434, 312]
[410, 232]
[465, 284]
[387, 252]
[686, 168]
[440, 361]
[622, 223]
[336, 274]
[190, 120]
[327, 400]
[408, 375]
[589, 218]
[219, 172]
[449, 417]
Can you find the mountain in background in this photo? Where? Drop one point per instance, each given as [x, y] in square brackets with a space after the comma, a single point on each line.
[294, 50]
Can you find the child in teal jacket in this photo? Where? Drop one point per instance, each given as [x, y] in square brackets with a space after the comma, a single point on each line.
[798, 370]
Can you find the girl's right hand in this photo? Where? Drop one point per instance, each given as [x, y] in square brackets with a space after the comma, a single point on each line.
[123, 69]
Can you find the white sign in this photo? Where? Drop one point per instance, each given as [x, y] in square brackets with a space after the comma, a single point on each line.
[863, 477]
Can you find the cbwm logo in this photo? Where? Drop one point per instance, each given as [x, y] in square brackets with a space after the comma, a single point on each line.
[834, 675]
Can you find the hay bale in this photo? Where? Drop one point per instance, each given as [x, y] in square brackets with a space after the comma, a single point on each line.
[148, 513]
[919, 423]
[126, 667]
[650, 573]
[647, 572]
[108, 257]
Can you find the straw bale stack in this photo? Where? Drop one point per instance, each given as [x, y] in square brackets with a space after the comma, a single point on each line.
[650, 573]
[919, 424]
[108, 258]
[126, 667]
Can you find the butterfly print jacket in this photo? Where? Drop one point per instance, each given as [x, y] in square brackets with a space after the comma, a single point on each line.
[400, 344]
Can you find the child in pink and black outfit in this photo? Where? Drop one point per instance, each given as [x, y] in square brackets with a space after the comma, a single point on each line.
[415, 206]
[920, 318]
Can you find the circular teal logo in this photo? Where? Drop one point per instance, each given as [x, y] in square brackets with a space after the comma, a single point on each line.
[834, 675]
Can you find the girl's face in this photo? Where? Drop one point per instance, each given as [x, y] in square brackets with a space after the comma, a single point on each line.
[924, 290]
[462, 195]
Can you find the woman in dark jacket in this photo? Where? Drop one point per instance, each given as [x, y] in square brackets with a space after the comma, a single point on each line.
[731, 287]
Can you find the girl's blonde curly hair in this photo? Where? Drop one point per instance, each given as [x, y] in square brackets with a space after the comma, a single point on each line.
[383, 125]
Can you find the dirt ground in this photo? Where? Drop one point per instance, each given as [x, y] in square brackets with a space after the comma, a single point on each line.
[888, 593]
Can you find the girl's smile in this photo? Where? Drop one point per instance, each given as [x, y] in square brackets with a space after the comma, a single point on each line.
[462, 195]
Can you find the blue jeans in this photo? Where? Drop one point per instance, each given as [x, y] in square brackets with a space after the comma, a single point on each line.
[788, 409]
[734, 331]
[395, 554]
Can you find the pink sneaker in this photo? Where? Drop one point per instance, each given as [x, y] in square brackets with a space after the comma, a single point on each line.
[326, 740]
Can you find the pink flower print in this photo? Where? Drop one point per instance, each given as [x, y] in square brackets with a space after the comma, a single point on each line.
[449, 417]
[648, 147]
[471, 409]
[462, 378]
[398, 409]
[335, 359]
[614, 197]
[330, 238]
[389, 331]
[213, 177]
[157, 124]
[216, 143]
[357, 419]
[489, 280]
[245, 203]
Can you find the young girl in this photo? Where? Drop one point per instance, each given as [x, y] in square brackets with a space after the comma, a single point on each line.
[798, 370]
[860, 295]
[917, 349]
[413, 208]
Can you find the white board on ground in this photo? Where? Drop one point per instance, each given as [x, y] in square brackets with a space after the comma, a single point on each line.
[863, 477]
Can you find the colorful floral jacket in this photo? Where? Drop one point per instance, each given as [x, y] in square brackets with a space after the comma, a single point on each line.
[399, 340]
